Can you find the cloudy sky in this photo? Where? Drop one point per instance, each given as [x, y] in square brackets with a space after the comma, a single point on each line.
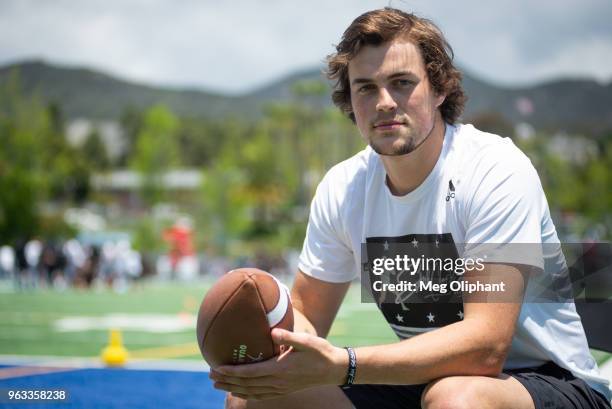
[238, 45]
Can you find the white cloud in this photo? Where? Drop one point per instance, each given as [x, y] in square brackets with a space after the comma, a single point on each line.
[235, 46]
[593, 58]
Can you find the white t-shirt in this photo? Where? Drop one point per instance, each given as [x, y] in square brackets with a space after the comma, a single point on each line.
[483, 189]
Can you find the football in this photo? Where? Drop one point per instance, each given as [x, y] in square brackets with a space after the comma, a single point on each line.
[237, 315]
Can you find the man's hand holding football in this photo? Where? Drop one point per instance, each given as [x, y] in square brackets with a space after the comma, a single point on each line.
[306, 362]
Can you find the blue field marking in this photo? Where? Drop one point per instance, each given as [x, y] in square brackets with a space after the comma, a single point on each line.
[121, 388]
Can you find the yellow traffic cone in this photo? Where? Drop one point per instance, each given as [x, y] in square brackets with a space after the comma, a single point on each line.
[115, 353]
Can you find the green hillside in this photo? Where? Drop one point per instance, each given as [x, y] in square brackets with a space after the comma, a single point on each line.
[574, 105]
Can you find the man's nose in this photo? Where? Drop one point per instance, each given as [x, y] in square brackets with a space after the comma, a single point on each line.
[385, 101]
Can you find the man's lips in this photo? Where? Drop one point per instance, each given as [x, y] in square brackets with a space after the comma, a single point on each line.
[388, 124]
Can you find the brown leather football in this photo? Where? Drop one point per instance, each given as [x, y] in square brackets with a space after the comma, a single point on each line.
[237, 316]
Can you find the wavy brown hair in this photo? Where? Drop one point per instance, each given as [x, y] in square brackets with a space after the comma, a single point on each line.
[380, 26]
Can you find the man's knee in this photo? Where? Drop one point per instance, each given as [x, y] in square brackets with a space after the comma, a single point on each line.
[450, 393]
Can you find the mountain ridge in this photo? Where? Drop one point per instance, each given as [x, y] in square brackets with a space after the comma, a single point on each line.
[568, 104]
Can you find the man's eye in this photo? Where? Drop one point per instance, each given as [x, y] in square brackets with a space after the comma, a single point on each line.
[404, 83]
[365, 88]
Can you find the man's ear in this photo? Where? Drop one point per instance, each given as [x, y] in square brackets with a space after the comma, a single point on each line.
[440, 100]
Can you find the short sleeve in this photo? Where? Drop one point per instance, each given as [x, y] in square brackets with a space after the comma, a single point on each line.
[506, 204]
[326, 254]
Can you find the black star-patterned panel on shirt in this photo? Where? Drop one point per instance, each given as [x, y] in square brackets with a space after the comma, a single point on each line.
[412, 313]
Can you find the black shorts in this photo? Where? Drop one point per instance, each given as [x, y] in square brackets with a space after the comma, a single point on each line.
[550, 386]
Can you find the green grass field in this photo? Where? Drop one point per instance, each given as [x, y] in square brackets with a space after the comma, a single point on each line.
[76, 323]
[157, 322]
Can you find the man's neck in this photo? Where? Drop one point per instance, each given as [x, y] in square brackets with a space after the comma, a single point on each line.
[406, 172]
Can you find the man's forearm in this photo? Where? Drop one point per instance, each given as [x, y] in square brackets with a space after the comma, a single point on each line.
[477, 345]
[462, 348]
[302, 324]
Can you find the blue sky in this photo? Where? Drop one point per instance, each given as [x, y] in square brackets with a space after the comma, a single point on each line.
[239, 45]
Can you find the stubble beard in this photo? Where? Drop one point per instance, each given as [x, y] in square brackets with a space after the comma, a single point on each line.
[407, 146]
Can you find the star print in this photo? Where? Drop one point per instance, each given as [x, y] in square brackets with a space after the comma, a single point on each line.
[431, 317]
[399, 318]
[460, 314]
[386, 245]
[415, 243]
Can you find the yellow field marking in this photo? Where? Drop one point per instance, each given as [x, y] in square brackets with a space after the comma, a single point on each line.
[170, 351]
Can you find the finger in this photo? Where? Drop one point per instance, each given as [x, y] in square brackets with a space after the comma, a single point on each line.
[243, 389]
[214, 373]
[256, 397]
[263, 381]
[264, 368]
[298, 340]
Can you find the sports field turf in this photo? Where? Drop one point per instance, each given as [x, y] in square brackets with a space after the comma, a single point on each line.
[117, 389]
[158, 327]
[157, 321]
[42, 332]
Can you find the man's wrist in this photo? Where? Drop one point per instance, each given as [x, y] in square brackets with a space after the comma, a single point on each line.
[340, 363]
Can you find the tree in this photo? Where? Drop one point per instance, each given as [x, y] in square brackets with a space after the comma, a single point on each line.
[94, 151]
[156, 152]
[201, 140]
[32, 147]
[131, 122]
